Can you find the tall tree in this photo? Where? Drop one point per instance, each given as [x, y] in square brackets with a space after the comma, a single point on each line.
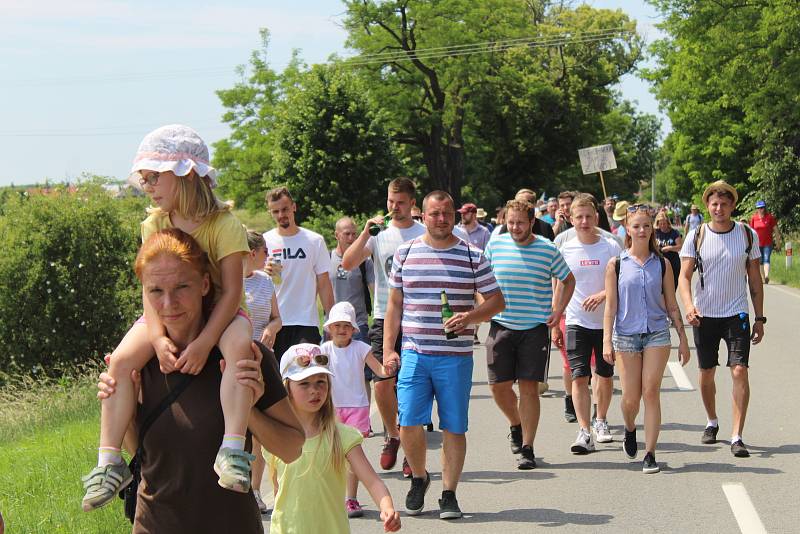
[452, 70]
[728, 77]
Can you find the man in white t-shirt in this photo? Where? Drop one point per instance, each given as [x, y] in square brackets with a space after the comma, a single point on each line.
[381, 248]
[718, 309]
[587, 255]
[300, 258]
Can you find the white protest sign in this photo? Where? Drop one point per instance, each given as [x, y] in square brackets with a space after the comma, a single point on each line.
[597, 159]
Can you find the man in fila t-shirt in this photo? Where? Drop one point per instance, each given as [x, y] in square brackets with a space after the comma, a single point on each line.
[718, 310]
[303, 267]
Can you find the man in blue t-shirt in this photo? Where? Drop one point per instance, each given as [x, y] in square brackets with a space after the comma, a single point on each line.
[518, 343]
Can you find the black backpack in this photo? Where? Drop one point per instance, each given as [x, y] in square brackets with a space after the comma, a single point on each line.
[700, 234]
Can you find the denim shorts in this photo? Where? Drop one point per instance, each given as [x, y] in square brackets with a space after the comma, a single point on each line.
[424, 377]
[639, 342]
[766, 253]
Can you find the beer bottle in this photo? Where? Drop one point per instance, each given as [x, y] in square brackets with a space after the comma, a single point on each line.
[375, 229]
[447, 313]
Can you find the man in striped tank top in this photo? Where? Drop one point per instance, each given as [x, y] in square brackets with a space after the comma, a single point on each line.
[718, 308]
[436, 351]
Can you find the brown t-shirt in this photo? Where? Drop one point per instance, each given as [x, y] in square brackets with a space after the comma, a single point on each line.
[179, 491]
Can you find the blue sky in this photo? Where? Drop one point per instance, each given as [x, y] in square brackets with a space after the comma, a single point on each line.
[84, 80]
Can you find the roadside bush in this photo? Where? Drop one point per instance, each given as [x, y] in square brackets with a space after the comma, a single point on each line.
[67, 288]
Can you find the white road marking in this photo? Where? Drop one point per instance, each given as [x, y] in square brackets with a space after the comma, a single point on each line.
[679, 375]
[743, 509]
[785, 291]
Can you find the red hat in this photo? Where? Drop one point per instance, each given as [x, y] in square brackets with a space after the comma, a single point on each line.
[469, 206]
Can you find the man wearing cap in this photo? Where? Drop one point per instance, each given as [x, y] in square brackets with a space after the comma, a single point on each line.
[718, 308]
[478, 234]
[765, 224]
[300, 258]
[429, 275]
[620, 212]
[693, 220]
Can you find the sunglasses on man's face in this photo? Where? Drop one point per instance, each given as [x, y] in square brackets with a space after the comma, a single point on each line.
[151, 178]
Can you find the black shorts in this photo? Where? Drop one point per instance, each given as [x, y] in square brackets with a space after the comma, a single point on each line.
[580, 343]
[376, 340]
[517, 354]
[292, 335]
[734, 330]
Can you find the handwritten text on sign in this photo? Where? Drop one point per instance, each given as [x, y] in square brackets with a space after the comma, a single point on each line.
[597, 158]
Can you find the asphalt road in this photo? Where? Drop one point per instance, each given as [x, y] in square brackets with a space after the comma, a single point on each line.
[701, 488]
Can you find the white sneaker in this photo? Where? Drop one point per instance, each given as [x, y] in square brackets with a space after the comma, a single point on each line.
[583, 443]
[602, 431]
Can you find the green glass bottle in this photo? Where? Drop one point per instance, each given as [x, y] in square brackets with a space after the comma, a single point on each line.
[375, 229]
[447, 313]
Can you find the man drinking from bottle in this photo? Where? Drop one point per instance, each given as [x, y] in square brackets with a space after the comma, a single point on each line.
[434, 366]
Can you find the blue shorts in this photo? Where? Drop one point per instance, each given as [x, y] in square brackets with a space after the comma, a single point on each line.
[639, 342]
[423, 377]
[766, 252]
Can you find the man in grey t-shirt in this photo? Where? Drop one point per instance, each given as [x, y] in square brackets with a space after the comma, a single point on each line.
[352, 286]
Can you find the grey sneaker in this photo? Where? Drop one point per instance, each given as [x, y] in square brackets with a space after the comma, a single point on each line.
[739, 450]
[415, 499]
[233, 468]
[448, 506]
[602, 431]
[103, 483]
[709, 435]
[649, 464]
[584, 443]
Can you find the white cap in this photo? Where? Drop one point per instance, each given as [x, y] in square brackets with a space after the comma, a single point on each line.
[175, 148]
[303, 360]
[342, 312]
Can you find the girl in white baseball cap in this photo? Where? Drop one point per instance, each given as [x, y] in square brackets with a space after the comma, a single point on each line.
[331, 449]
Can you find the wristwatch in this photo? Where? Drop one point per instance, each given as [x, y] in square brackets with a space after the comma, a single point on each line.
[761, 319]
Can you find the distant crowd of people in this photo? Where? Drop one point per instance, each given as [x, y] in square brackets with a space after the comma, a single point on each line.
[227, 377]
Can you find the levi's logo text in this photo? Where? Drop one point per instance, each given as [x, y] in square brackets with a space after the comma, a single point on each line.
[289, 254]
[589, 263]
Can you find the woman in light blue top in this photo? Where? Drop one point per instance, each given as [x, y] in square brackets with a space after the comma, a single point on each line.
[640, 294]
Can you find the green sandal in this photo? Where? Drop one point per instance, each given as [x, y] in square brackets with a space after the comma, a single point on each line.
[233, 468]
[103, 483]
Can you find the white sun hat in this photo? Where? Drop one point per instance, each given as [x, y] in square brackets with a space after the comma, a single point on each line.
[303, 360]
[175, 148]
[342, 312]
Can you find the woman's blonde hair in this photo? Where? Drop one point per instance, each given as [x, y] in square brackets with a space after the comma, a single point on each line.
[196, 199]
[326, 420]
[651, 244]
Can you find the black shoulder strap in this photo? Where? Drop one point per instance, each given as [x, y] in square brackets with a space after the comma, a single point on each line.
[163, 405]
[367, 301]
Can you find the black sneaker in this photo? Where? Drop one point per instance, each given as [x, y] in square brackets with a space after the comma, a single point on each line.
[415, 499]
[448, 506]
[629, 443]
[709, 435]
[569, 410]
[649, 464]
[739, 450]
[526, 458]
[515, 439]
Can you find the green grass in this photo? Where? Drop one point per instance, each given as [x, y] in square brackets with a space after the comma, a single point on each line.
[778, 272]
[48, 440]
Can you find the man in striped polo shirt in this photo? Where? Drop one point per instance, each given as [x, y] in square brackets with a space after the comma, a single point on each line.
[434, 366]
[518, 342]
[718, 309]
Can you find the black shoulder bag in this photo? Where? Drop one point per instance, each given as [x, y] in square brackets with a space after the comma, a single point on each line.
[128, 494]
